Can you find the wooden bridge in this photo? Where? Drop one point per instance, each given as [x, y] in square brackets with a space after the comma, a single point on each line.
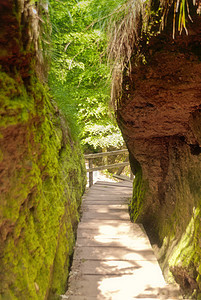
[113, 258]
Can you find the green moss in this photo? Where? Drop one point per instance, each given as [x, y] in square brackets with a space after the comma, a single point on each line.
[14, 101]
[139, 189]
[39, 205]
[184, 257]
[179, 225]
[1, 154]
[185, 249]
[62, 258]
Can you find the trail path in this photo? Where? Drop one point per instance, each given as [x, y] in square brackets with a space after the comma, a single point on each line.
[113, 258]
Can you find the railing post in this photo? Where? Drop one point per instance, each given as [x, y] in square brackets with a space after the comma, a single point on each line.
[105, 158]
[90, 173]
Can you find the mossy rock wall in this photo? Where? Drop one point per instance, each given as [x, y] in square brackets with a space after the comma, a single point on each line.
[159, 115]
[42, 171]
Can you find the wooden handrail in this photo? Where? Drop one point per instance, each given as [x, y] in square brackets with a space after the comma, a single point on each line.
[91, 169]
[96, 155]
[117, 165]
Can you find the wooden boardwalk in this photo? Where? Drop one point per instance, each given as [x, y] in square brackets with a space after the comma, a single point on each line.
[113, 257]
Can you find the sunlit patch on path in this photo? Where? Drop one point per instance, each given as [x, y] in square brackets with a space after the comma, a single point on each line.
[113, 257]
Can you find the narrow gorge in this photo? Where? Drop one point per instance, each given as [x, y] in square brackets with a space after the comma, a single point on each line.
[157, 96]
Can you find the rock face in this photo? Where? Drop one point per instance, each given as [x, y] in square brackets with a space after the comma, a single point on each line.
[42, 173]
[160, 117]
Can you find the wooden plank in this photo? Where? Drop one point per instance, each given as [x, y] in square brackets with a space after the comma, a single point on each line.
[167, 295]
[126, 188]
[123, 188]
[129, 243]
[108, 233]
[121, 287]
[115, 267]
[105, 202]
[114, 184]
[112, 166]
[125, 298]
[112, 215]
[96, 155]
[111, 253]
[104, 208]
[124, 233]
[100, 192]
[112, 224]
[95, 223]
[105, 197]
[90, 234]
[125, 185]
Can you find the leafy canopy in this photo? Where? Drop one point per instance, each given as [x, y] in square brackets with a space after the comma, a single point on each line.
[80, 76]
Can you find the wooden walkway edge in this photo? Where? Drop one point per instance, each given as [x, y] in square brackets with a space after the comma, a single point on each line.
[113, 258]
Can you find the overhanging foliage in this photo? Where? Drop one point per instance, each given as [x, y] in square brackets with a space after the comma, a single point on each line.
[137, 20]
[80, 75]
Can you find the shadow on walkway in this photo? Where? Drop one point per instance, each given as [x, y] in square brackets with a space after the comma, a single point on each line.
[113, 258]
